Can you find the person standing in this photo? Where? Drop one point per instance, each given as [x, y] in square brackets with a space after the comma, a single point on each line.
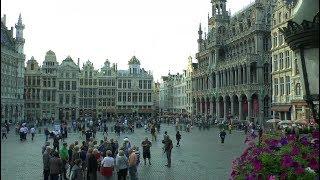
[56, 166]
[46, 163]
[153, 132]
[260, 134]
[122, 165]
[64, 155]
[178, 138]
[32, 131]
[76, 171]
[167, 149]
[46, 133]
[132, 163]
[107, 165]
[56, 143]
[230, 128]
[4, 132]
[222, 135]
[146, 144]
[92, 166]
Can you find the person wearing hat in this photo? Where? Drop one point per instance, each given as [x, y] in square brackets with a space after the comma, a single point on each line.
[64, 155]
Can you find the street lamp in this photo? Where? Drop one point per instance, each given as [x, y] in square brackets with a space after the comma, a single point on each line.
[302, 35]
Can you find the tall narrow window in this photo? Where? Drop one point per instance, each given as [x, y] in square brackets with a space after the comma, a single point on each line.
[288, 61]
[281, 61]
[287, 85]
[281, 86]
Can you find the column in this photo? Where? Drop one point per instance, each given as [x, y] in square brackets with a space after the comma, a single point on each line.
[197, 107]
[236, 74]
[249, 107]
[239, 75]
[248, 75]
[232, 108]
[240, 109]
[217, 109]
[211, 107]
[245, 76]
[224, 109]
[217, 79]
[205, 107]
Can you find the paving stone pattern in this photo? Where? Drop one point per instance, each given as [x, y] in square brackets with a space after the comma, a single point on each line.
[200, 156]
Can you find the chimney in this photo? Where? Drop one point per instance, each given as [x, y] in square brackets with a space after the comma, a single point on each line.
[3, 19]
[79, 62]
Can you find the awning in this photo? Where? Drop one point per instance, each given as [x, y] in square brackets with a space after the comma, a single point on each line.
[281, 108]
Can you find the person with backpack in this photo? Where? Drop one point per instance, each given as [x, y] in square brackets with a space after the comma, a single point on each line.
[178, 138]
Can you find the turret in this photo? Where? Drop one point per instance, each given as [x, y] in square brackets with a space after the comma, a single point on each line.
[4, 20]
[19, 35]
[200, 37]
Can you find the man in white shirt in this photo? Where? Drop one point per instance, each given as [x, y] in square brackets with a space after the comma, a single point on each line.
[32, 131]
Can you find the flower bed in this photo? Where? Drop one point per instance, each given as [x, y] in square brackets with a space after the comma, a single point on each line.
[279, 157]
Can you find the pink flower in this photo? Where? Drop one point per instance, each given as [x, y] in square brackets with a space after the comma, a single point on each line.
[315, 134]
[272, 177]
[286, 161]
[295, 151]
[313, 164]
[257, 165]
[299, 170]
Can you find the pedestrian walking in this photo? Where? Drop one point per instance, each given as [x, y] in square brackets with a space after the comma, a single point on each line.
[222, 135]
[32, 131]
[122, 165]
[4, 132]
[178, 138]
[107, 165]
[146, 144]
[167, 149]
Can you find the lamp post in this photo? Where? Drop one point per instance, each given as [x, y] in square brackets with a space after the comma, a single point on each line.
[302, 35]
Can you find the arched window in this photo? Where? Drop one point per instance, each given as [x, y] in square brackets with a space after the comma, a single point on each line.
[298, 89]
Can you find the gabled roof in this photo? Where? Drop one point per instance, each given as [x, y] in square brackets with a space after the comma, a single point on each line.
[134, 60]
[6, 39]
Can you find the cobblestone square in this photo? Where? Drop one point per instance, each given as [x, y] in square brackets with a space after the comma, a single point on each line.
[200, 156]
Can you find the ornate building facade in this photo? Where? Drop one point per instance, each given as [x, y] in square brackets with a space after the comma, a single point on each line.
[233, 78]
[66, 92]
[68, 89]
[12, 72]
[287, 95]
[175, 93]
[134, 91]
[107, 87]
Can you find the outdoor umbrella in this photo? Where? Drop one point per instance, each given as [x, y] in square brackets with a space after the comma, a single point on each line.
[285, 122]
[273, 120]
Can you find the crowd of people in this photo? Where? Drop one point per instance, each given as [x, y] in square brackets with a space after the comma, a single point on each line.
[86, 160]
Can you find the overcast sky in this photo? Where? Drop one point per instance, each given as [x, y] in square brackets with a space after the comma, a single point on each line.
[160, 33]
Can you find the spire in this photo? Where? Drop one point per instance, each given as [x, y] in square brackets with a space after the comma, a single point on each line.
[20, 20]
